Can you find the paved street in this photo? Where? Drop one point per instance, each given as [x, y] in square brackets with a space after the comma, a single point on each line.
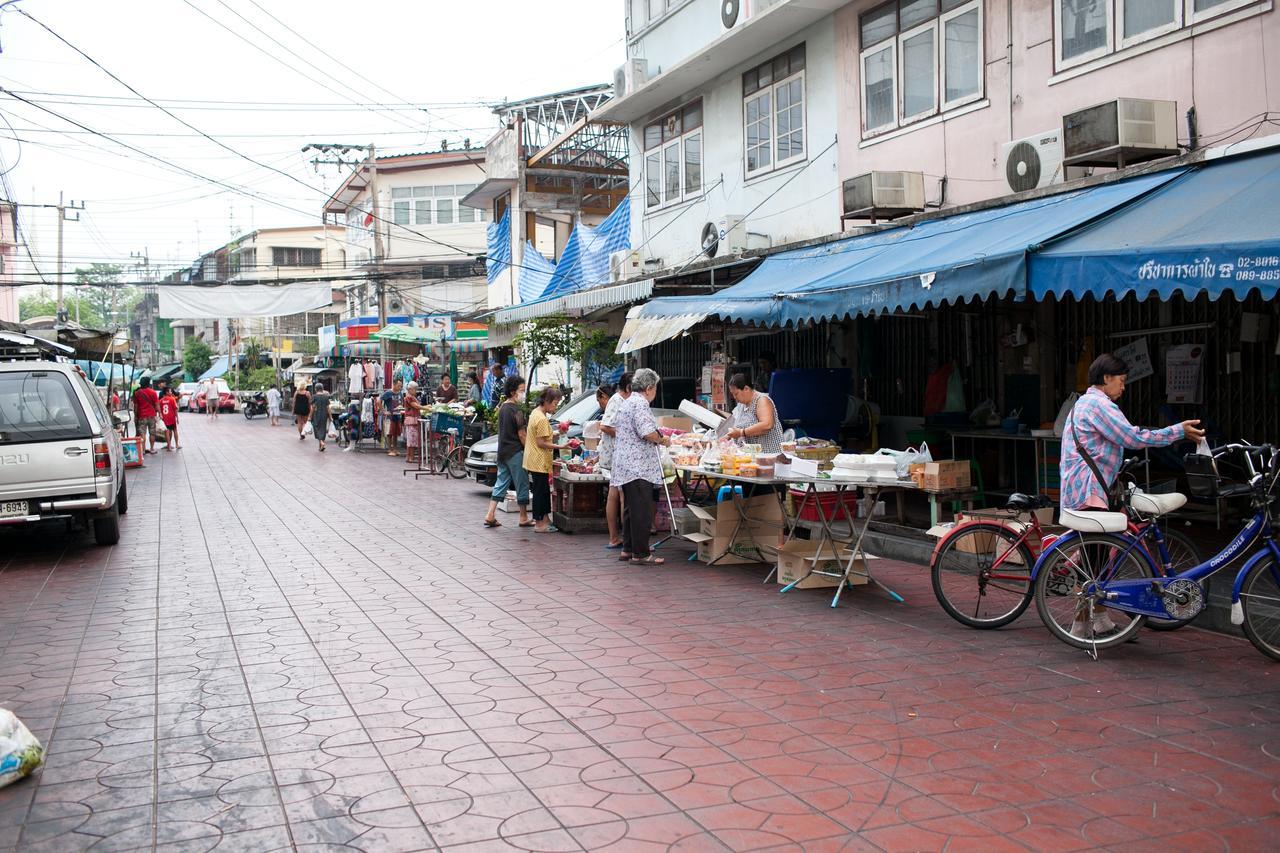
[290, 649]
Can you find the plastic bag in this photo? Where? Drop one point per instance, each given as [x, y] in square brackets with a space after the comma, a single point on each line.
[20, 752]
[308, 429]
[332, 434]
[160, 432]
[904, 459]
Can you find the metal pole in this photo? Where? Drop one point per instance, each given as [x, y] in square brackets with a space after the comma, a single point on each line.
[62, 215]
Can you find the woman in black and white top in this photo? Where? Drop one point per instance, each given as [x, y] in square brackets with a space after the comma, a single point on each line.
[755, 418]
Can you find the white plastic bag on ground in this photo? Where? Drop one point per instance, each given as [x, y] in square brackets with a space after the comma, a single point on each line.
[20, 752]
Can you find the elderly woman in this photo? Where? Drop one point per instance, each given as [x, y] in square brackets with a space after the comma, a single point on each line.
[637, 468]
[320, 414]
[412, 424]
[755, 418]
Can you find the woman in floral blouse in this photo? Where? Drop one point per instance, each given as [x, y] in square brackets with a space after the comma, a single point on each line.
[637, 468]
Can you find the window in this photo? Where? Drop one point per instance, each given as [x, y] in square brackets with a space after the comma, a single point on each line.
[1088, 29]
[919, 57]
[673, 156]
[773, 112]
[283, 256]
[439, 205]
[40, 405]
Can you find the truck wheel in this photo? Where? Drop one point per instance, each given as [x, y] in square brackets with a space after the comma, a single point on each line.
[106, 529]
[122, 496]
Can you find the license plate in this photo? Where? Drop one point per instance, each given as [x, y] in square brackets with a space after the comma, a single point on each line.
[13, 509]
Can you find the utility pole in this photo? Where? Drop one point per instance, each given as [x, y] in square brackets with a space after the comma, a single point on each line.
[143, 259]
[61, 314]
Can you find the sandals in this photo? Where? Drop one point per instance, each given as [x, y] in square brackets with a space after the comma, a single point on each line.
[648, 561]
[624, 557]
[614, 546]
[494, 523]
[550, 528]
[528, 523]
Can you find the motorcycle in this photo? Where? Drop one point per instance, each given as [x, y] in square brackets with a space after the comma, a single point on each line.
[255, 405]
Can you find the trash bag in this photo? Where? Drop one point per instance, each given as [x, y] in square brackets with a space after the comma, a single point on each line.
[20, 752]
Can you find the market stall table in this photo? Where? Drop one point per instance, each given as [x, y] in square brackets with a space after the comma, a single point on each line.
[578, 503]
[871, 487]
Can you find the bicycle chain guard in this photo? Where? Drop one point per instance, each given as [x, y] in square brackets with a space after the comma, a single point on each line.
[1183, 598]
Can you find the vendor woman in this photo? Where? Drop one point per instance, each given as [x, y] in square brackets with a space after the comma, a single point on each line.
[755, 418]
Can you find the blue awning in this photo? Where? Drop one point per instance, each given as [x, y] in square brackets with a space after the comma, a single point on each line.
[1214, 230]
[949, 259]
[218, 369]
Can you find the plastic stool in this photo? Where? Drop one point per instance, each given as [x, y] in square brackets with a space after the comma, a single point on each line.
[728, 492]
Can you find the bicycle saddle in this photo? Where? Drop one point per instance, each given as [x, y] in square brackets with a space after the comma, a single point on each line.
[1092, 521]
[1026, 503]
[1148, 504]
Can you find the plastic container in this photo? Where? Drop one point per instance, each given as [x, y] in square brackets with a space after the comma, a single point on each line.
[836, 506]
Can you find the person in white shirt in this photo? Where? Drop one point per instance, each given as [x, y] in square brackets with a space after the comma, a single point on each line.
[273, 405]
[211, 399]
[355, 379]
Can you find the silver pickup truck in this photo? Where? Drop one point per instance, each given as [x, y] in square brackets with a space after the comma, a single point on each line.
[60, 455]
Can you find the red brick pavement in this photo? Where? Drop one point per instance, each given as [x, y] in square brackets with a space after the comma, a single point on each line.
[290, 649]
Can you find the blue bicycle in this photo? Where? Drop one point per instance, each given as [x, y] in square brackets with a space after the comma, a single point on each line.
[1097, 585]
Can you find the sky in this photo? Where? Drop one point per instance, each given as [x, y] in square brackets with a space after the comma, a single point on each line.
[264, 78]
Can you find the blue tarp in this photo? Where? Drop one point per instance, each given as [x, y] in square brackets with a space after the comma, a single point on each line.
[585, 259]
[535, 274]
[218, 369]
[498, 257]
[1214, 230]
[950, 259]
[99, 372]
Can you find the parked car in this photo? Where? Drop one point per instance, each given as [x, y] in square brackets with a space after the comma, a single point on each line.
[482, 459]
[195, 402]
[60, 454]
[185, 391]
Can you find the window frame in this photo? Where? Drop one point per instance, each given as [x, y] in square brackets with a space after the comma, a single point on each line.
[943, 20]
[293, 256]
[1185, 17]
[678, 143]
[1121, 42]
[901, 73]
[894, 44]
[771, 89]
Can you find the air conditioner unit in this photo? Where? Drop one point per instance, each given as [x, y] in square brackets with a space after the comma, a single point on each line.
[728, 234]
[735, 13]
[624, 265]
[1033, 162]
[394, 306]
[630, 76]
[883, 195]
[1120, 132]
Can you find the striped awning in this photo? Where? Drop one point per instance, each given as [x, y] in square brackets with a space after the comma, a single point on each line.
[475, 345]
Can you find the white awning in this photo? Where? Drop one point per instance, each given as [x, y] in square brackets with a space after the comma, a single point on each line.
[244, 300]
[640, 332]
[578, 302]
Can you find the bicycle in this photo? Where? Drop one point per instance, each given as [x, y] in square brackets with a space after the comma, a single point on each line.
[982, 569]
[449, 454]
[1099, 570]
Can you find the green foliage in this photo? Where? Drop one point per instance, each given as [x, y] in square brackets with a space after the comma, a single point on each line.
[308, 346]
[549, 337]
[42, 303]
[258, 379]
[196, 357]
[253, 349]
[599, 348]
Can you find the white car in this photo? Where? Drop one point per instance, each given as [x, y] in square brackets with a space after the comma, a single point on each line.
[60, 454]
[184, 392]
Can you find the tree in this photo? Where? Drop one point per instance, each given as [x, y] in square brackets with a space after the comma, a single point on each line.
[253, 350]
[196, 357]
[42, 303]
[549, 337]
[98, 285]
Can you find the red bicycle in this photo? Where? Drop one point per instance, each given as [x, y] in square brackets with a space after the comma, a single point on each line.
[981, 569]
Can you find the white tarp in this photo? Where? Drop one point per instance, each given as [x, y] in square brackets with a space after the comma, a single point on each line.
[640, 332]
[243, 300]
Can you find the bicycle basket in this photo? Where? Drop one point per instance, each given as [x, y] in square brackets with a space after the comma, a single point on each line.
[1210, 477]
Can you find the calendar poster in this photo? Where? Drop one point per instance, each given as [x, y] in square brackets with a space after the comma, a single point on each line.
[1184, 372]
[1138, 358]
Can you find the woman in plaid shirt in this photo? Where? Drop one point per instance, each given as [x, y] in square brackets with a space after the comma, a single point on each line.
[1106, 433]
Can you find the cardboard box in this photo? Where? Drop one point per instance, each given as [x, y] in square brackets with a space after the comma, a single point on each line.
[674, 422]
[716, 524]
[946, 476]
[796, 558]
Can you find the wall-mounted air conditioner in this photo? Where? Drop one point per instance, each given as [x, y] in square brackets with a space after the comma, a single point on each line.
[1120, 132]
[883, 195]
[735, 13]
[630, 76]
[624, 265]
[1033, 162]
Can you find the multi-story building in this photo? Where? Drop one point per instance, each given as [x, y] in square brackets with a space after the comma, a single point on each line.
[733, 116]
[431, 241]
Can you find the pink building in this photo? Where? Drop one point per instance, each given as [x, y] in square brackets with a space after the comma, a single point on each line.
[943, 87]
[8, 254]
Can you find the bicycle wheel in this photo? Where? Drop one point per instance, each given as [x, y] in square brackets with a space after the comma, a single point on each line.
[456, 463]
[439, 455]
[1183, 554]
[982, 575]
[1260, 598]
[1066, 570]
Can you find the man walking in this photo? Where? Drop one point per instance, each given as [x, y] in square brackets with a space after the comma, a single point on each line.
[273, 404]
[211, 399]
[146, 405]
